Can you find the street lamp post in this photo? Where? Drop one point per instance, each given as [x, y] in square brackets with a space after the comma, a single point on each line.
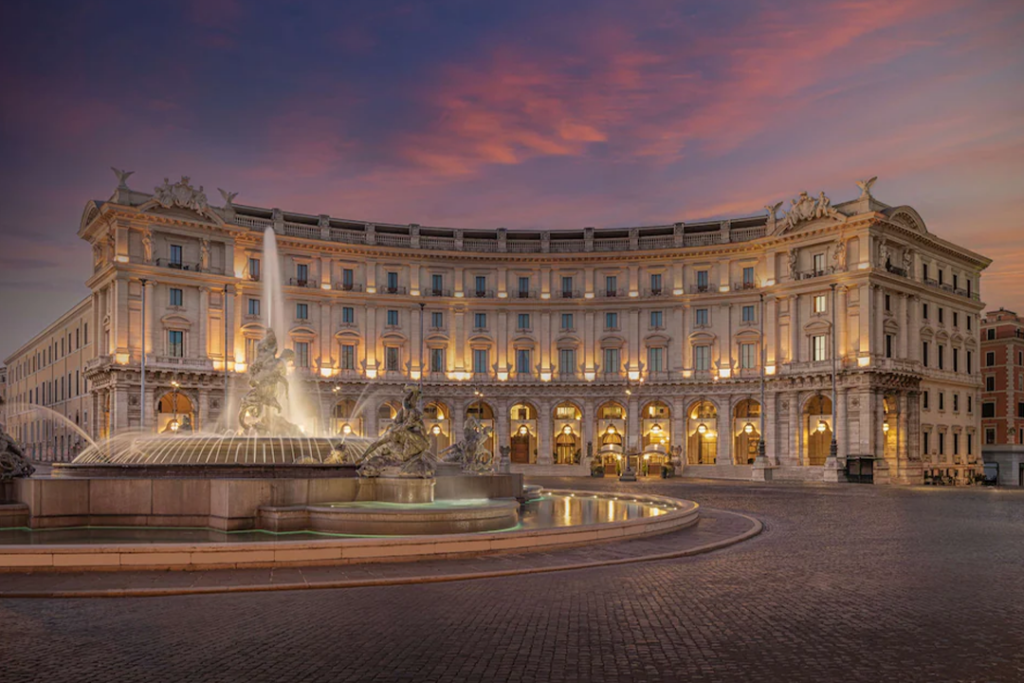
[833, 447]
[422, 346]
[142, 361]
[627, 472]
[762, 459]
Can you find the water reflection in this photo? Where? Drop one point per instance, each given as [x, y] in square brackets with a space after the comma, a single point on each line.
[549, 511]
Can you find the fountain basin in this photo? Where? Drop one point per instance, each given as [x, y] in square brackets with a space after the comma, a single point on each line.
[393, 519]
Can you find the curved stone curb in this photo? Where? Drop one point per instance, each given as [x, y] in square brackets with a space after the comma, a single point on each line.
[756, 527]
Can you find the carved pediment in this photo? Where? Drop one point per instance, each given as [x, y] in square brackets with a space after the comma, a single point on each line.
[803, 209]
[173, 197]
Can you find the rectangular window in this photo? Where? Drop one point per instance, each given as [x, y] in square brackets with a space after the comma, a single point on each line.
[437, 319]
[524, 287]
[611, 361]
[990, 358]
[392, 360]
[177, 297]
[437, 363]
[942, 356]
[942, 400]
[748, 314]
[970, 362]
[956, 443]
[348, 357]
[523, 362]
[888, 346]
[940, 314]
[480, 321]
[819, 264]
[701, 357]
[348, 315]
[392, 318]
[819, 303]
[702, 280]
[567, 362]
[301, 311]
[924, 442]
[941, 273]
[611, 285]
[254, 306]
[254, 269]
[748, 358]
[924, 399]
[481, 285]
[302, 354]
[1020, 409]
[302, 273]
[611, 321]
[990, 436]
[818, 346]
[748, 276]
[655, 356]
[85, 333]
[956, 360]
[924, 311]
[392, 280]
[655, 283]
[924, 271]
[969, 316]
[175, 256]
[888, 302]
[924, 353]
[251, 345]
[942, 440]
[657, 320]
[347, 278]
[956, 319]
[970, 403]
[988, 409]
[567, 322]
[956, 281]
[175, 343]
[523, 321]
[970, 439]
[437, 283]
[566, 287]
[700, 317]
[956, 403]
[480, 363]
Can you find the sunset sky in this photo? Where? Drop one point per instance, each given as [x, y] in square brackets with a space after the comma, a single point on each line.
[519, 114]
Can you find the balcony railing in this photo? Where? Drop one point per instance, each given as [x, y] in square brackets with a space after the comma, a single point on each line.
[655, 292]
[433, 291]
[525, 294]
[702, 289]
[481, 293]
[896, 270]
[348, 286]
[389, 240]
[441, 243]
[746, 234]
[180, 362]
[611, 293]
[739, 286]
[523, 246]
[569, 294]
[177, 265]
[306, 284]
[393, 290]
[567, 246]
[809, 274]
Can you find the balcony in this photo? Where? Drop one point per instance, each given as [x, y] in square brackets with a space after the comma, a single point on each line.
[433, 291]
[570, 294]
[305, 284]
[177, 265]
[655, 292]
[896, 270]
[611, 293]
[482, 294]
[179, 363]
[525, 294]
[348, 287]
[745, 285]
[393, 290]
[702, 289]
[810, 274]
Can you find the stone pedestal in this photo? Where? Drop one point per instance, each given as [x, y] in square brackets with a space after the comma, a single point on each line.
[761, 470]
[881, 472]
[403, 490]
[834, 472]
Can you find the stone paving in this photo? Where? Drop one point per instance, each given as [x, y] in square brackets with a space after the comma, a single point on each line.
[847, 583]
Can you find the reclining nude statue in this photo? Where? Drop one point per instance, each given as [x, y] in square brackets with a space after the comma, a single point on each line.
[268, 377]
[471, 452]
[402, 448]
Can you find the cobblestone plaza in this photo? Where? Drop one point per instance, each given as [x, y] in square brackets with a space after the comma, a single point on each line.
[857, 583]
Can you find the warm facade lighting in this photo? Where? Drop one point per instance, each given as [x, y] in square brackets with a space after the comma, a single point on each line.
[567, 430]
[326, 372]
[611, 429]
[702, 428]
[240, 367]
[435, 430]
[325, 285]
[769, 369]
[822, 426]
[545, 377]
[723, 288]
[346, 429]
[864, 361]
[122, 258]
[748, 428]
[677, 292]
[590, 376]
[634, 375]
[634, 294]
[545, 295]
[523, 430]
[885, 427]
[371, 373]
[588, 295]
[502, 295]
[370, 289]
[724, 373]
[121, 359]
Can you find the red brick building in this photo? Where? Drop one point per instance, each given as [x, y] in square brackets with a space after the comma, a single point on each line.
[1002, 402]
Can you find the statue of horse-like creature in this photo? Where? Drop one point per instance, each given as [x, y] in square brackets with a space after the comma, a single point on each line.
[268, 378]
[403, 446]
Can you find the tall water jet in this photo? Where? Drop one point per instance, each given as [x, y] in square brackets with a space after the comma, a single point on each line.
[297, 407]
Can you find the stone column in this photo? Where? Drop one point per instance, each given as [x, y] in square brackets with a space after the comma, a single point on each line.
[370, 338]
[587, 427]
[679, 424]
[147, 298]
[771, 328]
[878, 341]
[771, 422]
[121, 319]
[633, 363]
[459, 341]
[632, 440]
[877, 428]
[203, 410]
[675, 362]
[501, 424]
[725, 435]
[544, 443]
[326, 338]
[370, 410]
[202, 347]
[794, 329]
[795, 432]
[866, 421]
[687, 353]
[238, 348]
[901, 426]
[841, 324]
[841, 428]
[904, 331]
[864, 321]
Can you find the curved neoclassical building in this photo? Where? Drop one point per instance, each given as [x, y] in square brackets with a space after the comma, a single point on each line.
[649, 342]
